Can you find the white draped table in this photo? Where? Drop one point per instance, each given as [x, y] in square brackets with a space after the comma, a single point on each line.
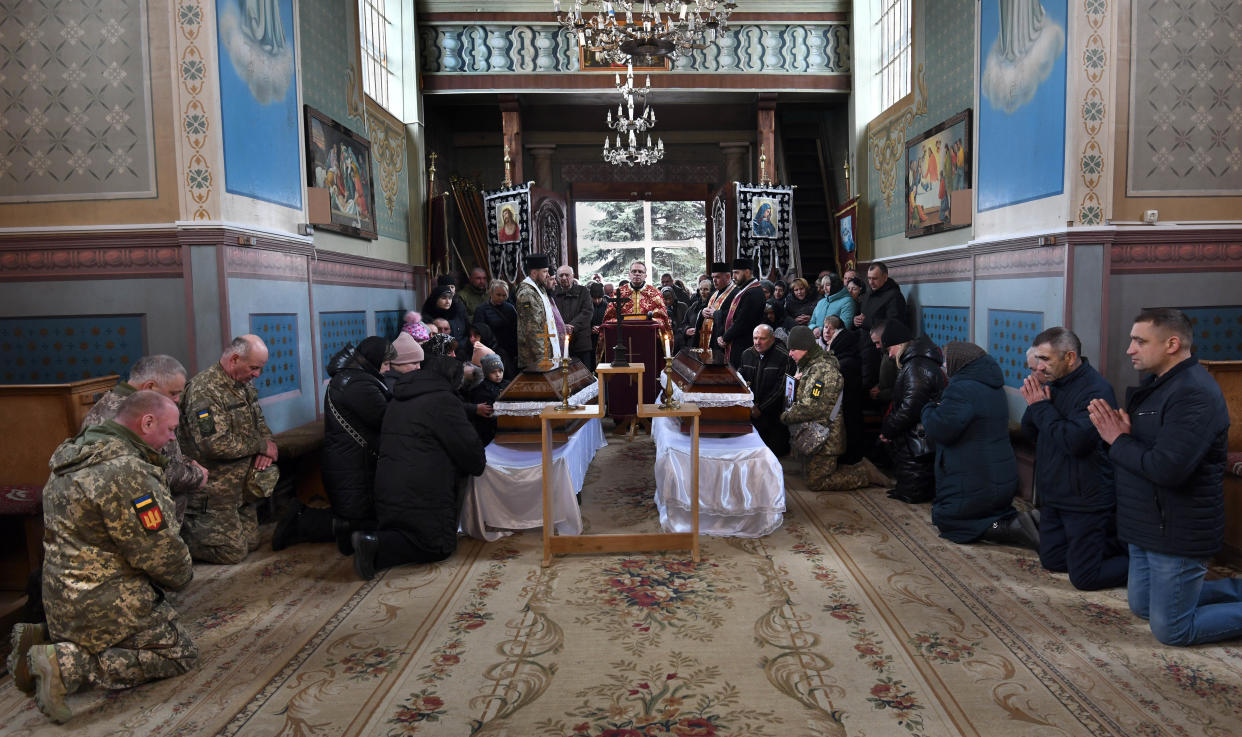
[509, 494]
[741, 483]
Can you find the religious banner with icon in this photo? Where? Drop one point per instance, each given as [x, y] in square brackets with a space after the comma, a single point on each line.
[508, 230]
[764, 218]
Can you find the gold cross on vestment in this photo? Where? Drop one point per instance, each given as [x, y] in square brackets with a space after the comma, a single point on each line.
[548, 339]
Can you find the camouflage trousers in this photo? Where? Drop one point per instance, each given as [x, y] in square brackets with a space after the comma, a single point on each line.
[221, 535]
[162, 649]
[221, 523]
[822, 473]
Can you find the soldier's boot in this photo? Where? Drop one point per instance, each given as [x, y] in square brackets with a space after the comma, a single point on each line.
[50, 689]
[875, 476]
[24, 636]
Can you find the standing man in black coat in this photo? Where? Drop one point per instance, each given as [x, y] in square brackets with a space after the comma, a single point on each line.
[764, 366]
[426, 446]
[574, 302]
[882, 302]
[1078, 525]
[1168, 452]
[743, 314]
[843, 343]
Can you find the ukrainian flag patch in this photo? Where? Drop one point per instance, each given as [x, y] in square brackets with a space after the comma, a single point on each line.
[149, 514]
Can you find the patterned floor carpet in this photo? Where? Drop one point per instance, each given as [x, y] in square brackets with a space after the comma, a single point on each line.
[853, 619]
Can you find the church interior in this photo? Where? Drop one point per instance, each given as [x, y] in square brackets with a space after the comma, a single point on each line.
[174, 174]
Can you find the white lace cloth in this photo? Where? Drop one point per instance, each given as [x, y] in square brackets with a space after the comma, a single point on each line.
[529, 409]
[509, 494]
[741, 483]
[705, 399]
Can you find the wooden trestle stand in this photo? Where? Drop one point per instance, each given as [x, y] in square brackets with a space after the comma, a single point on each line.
[616, 543]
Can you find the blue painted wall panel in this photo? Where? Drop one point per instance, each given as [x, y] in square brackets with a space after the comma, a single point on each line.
[1010, 333]
[280, 333]
[58, 350]
[337, 330]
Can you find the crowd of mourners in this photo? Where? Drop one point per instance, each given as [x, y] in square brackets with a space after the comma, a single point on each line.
[170, 469]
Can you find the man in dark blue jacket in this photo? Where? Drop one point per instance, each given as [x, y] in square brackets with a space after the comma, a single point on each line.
[1168, 452]
[1077, 527]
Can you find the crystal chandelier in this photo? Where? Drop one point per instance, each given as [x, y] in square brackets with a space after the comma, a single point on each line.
[621, 29]
[628, 126]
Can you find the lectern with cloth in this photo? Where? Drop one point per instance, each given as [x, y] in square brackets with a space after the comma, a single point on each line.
[641, 317]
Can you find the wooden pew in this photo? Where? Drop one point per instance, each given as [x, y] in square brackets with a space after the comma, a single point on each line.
[1229, 375]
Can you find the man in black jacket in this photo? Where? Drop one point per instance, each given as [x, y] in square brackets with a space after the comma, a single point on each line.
[920, 381]
[1077, 527]
[743, 314]
[764, 366]
[1168, 451]
[882, 302]
[574, 302]
[843, 344]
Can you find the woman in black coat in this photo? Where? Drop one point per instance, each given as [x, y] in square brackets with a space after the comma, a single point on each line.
[919, 381]
[354, 406]
[425, 447]
[976, 470]
[499, 314]
[442, 303]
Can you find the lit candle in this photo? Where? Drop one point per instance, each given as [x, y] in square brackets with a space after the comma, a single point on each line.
[683, 11]
[556, 6]
[617, 77]
[564, 344]
[668, 350]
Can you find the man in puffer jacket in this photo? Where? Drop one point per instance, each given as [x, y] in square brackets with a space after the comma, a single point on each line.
[1168, 452]
[919, 381]
[426, 446]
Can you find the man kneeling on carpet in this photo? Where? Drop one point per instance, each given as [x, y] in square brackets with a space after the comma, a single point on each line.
[818, 430]
[426, 446]
[112, 544]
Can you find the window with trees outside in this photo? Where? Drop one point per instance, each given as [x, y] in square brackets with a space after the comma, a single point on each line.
[892, 30]
[379, 35]
[671, 237]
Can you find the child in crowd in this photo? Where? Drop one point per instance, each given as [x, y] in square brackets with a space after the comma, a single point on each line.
[486, 392]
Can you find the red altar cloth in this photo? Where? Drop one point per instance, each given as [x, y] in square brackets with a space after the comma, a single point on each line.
[643, 339]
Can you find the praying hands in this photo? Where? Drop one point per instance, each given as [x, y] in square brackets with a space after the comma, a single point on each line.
[1110, 423]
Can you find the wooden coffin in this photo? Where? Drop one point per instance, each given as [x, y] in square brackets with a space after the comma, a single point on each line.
[517, 421]
[701, 372]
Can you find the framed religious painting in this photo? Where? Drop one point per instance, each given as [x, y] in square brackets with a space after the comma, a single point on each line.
[846, 219]
[596, 60]
[938, 178]
[339, 160]
[508, 217]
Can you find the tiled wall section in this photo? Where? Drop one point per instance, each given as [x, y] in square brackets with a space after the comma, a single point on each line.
[388, 323]
[280, 333]
[58, 350]
[1218, 332]
[946, 324]
[1010, 333]
[337, 330]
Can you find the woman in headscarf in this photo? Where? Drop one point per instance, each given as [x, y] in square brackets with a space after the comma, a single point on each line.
[426, 448]
[976, 471]
[442, 304]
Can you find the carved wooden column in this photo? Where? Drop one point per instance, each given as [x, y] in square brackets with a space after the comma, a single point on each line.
[767, 133]
[511, 125]
[735, 161]
[541, 155]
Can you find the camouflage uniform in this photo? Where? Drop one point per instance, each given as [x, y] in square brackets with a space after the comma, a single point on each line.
[222, 427]
[108, 550]
[180, 474]
[818, 388]
[532, 322]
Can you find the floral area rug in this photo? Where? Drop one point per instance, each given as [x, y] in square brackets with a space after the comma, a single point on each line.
[854, 618]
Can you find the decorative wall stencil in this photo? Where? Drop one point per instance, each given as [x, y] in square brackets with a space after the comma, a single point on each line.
[1010, 333]
[945, 325]
[388, 323]
[508, 229]
[887, 143]
[1218, 332]
[337, 330]
[58, 350]
[764, 217]
[388, 148]
[280, 333]
[326, 60]
[661, 172]
[75, 101]
[197, 180]
[1021, 98]
[258, 101]
[1185, 130]
[1095, 173]
[339, 160]
[454, 48]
